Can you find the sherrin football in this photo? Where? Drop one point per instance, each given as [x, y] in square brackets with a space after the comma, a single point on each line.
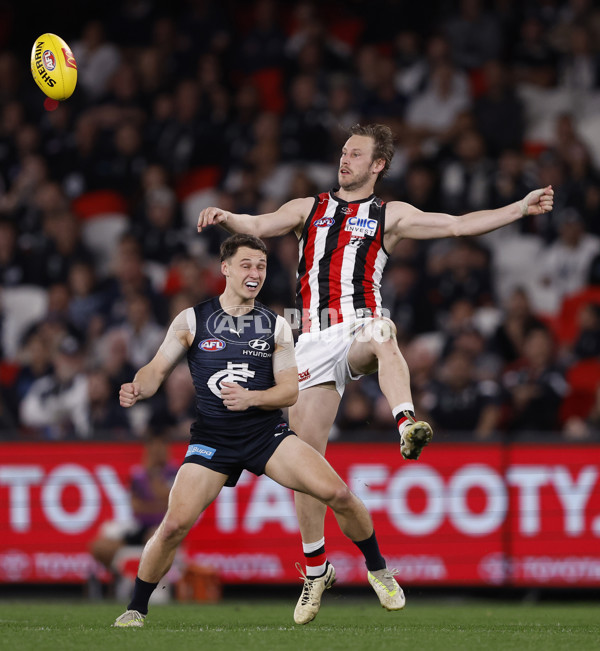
[53, 67]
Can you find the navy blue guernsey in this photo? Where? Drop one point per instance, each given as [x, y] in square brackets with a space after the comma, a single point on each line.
[230, 348]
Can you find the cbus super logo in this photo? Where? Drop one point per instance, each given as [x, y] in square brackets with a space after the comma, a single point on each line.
[49, 60]
[325, 222]
[361, 226]
[212, 345]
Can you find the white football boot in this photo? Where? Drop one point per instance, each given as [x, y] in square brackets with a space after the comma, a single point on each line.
[415, 436]
[310, 600]
[387, 589]
[130, 619]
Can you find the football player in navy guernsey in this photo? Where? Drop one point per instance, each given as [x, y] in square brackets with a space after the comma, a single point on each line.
[345, 237]
[242, 362]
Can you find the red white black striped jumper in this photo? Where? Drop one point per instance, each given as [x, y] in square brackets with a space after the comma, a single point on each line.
[342, 258]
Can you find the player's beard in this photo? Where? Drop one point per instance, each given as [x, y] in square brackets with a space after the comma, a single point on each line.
[355, 184]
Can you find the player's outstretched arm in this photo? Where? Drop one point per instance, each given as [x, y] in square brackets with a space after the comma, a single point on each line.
[149, 378]
[289, 217]
[406, 221]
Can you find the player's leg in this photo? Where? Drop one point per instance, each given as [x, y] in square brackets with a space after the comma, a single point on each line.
[375, 349]
[194, 489]
[299, 467]
[312, 418]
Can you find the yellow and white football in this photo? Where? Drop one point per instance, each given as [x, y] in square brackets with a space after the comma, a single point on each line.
[53, 67]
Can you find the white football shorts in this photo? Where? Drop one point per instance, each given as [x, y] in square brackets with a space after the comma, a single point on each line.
[323, 356]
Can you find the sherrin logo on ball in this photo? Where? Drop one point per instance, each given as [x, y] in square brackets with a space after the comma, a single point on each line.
[53, 67]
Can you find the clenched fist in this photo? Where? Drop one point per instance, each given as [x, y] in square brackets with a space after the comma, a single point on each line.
[537, 202]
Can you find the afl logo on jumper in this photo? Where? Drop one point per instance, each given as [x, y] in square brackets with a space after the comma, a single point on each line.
[325, 222]
[212, 345]
[361, 226]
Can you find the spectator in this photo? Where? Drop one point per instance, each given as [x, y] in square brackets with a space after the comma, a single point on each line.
[13, 262]
[456, 402]
[125, 162]
[434, 112]
[565, 265]
[96, 58]
[509, 338]
[108, 420]
[141, 331]
[580, 68]
[535, 385]
[111, 357]
[35, 362]
[466, 181]
[587, 343]
[473, 34]
[160, 233]
[151, 482]
[60, 250]
[174, 408]
[57, 405]
[304, 135]
[129, 277]
[264, 45]
[85, 301]
[498, 111]
[464, 276]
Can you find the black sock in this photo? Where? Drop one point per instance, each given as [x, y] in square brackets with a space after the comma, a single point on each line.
[370, 549]
[141, 595]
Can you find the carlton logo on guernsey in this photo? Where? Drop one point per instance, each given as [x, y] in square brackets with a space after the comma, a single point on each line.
[342, 258]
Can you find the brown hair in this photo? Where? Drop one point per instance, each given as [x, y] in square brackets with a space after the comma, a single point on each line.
[232, 244]
[383, 143]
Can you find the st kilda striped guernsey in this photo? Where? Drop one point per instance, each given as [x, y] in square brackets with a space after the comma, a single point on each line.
[341, 262]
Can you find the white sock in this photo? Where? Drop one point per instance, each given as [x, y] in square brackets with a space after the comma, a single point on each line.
[403, 406]
[307, 548]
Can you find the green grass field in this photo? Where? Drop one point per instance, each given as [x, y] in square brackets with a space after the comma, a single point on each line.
[343, 623]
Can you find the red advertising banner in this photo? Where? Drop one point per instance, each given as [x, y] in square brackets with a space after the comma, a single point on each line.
[463, 515]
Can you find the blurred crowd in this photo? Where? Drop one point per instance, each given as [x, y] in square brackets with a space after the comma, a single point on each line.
[244, 105]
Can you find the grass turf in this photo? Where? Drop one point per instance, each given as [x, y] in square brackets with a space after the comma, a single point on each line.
[267, 625]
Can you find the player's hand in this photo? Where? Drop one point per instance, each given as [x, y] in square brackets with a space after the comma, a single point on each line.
[235, 397]
[129, 394]
[210, 216]
[538, 202]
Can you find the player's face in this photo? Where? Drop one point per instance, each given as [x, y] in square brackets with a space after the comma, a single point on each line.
[245, 272]
[357, 167]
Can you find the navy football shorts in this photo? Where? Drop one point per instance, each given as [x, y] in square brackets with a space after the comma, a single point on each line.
[233, 453]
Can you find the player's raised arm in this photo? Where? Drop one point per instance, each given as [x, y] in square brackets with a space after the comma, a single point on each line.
[406, 221]
[289, 217]
[149, 378]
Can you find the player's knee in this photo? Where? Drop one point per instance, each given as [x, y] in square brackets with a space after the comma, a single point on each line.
[383, 335]
[342, 498]
[173, 530]
[385, 329]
